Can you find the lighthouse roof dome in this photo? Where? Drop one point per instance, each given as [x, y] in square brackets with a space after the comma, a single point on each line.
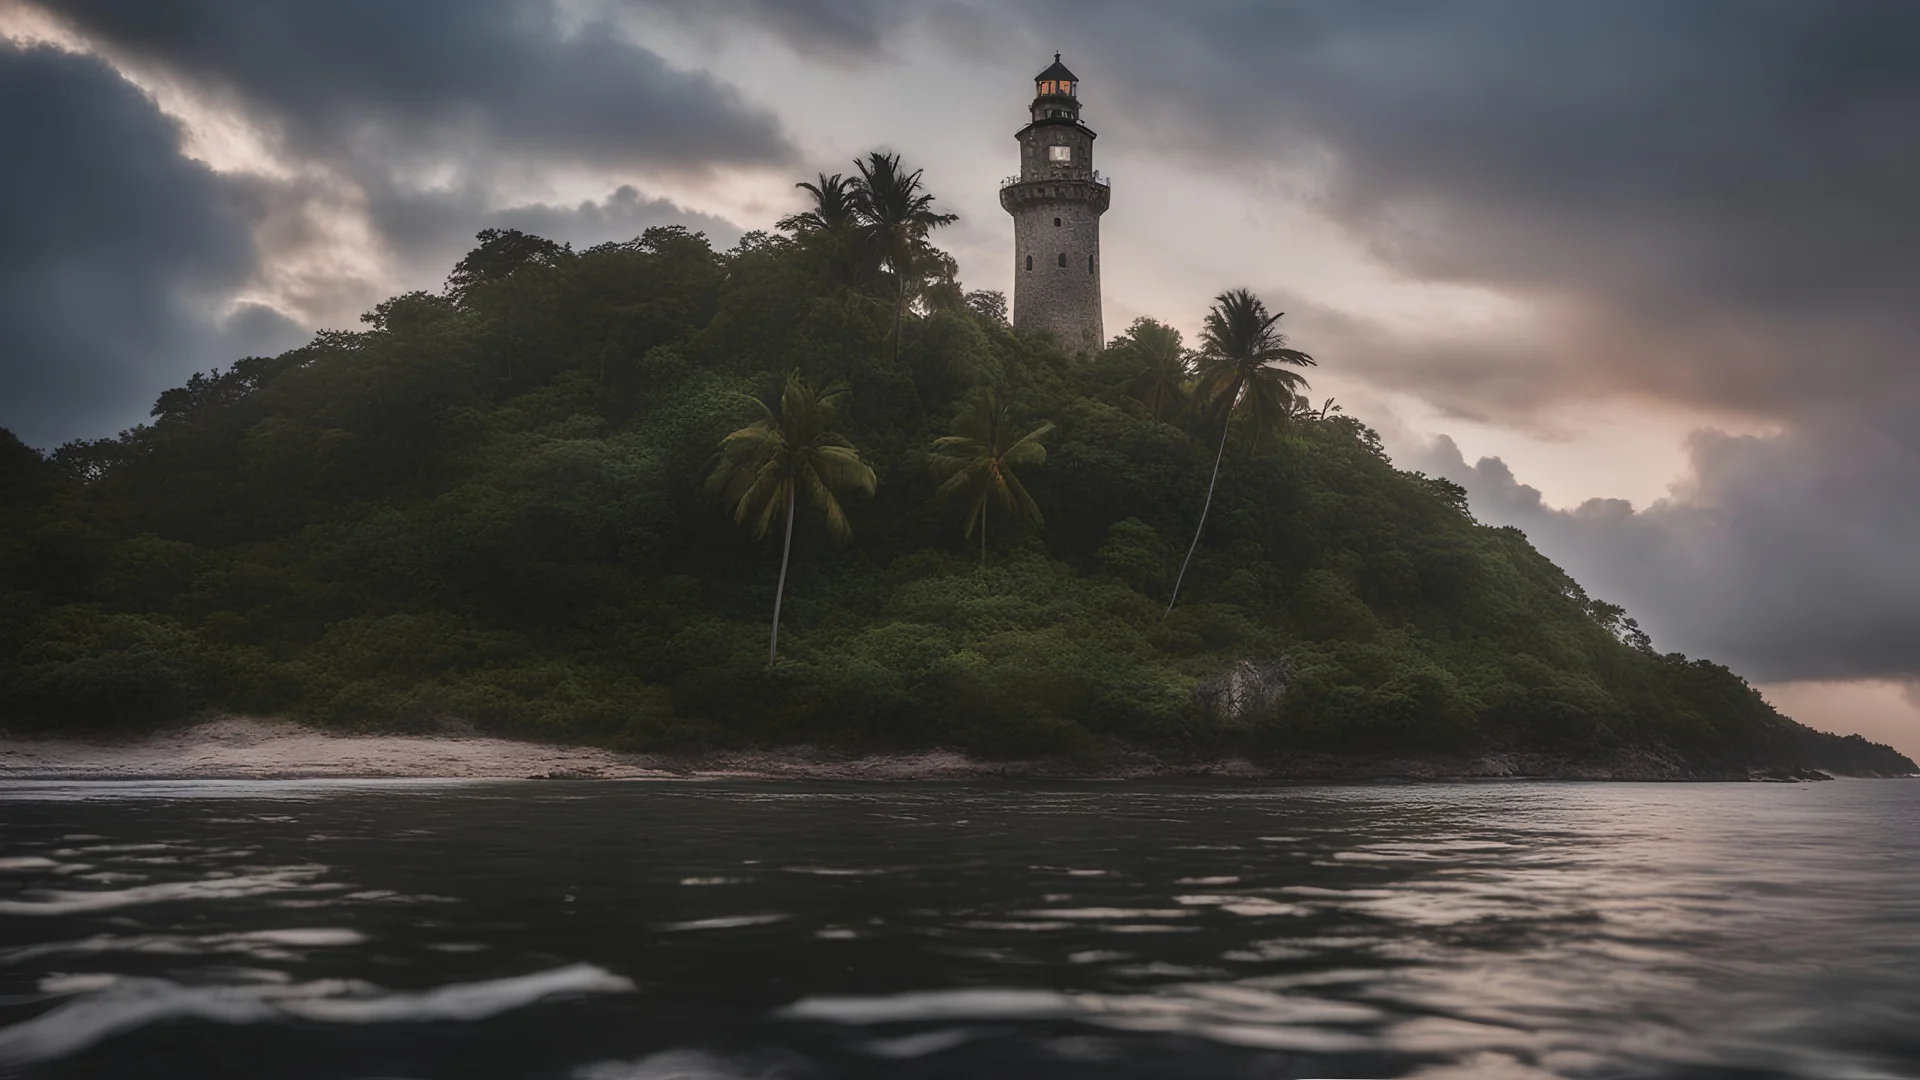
[1057, 71]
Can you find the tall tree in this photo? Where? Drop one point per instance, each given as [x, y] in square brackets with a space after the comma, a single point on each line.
[898, 214]
[1165, 367]
[766, 467]
[977, 463]
[1241, 353]
[501, 253]
[501, 262]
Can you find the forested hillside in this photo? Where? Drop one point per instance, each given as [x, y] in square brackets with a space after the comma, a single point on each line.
[493, 504]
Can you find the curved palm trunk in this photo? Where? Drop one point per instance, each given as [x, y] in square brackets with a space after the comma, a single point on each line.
[983, 539]
[899, 308]
[786, 549]
[1208, 505]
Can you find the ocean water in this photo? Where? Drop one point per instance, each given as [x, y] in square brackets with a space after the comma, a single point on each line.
[683, 931]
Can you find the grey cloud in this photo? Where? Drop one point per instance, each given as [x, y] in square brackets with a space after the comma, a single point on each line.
[436, 228]
[620, 216]
[118, 253]
[828, 29]
[397, 82]
[1790, 556]
[1487, 378]
[421, 117]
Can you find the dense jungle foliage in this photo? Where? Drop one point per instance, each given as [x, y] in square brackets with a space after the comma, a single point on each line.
[493, 504]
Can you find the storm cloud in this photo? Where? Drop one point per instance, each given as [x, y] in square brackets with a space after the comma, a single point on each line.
[834, 30]
[425, 122]
[430, 79]
[1790, 557]
[117, 251]
[1711, 195]
[434, 228]
[391, 133]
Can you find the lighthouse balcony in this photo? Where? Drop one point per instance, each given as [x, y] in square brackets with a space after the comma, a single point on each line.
[1091, 189]
[1095, 176]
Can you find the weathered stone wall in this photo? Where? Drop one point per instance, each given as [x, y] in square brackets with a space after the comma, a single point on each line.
[1036, 163]
[1056, 207]
[1052, 224]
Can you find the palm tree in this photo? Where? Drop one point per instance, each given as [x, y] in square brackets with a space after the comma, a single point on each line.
[1161, 383]
[834, 226]
[1240, 350]
[898, 213]
[766, 466]
[834, 209]
[977, 463]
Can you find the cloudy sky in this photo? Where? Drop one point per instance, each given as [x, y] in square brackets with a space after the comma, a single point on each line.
[1642, 275]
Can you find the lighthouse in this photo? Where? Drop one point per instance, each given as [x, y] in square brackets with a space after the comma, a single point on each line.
[1056, 202]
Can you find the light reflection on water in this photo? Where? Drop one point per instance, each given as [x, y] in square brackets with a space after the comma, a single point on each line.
[648, 930]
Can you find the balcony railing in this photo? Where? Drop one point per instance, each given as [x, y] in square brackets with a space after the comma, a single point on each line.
[1097, 177]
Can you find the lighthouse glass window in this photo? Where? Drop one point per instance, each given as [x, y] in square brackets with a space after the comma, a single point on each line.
[1060, 155]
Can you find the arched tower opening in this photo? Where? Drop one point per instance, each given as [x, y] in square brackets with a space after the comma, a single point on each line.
[1056, 201]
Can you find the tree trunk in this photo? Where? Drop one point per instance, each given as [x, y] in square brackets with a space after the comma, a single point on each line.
[780, 591]
[899, 305]
[1208, 505]
[984, 508]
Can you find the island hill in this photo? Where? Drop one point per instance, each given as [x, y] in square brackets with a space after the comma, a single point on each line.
[552, 501]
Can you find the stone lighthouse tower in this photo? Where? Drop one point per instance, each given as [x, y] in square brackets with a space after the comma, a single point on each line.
[1056, 203]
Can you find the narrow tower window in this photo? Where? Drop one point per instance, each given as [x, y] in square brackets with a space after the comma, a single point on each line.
[1063, 258]
[1056, 223]
[1089, 264]
[1029, 262]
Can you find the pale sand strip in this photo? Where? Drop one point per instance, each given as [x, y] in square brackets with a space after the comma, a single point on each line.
[241, 748]
[244, 748]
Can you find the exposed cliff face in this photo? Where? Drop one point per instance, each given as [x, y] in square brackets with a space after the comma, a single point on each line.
[1244, 694]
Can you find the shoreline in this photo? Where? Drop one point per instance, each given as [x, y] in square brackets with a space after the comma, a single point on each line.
[243, 748]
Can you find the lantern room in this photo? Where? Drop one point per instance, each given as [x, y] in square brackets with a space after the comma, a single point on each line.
[1056, 81]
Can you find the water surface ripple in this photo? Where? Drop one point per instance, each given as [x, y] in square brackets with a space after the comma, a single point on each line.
[678, 931]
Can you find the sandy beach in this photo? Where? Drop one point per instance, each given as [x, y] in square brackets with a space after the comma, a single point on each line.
[246, 748]
[243, 748]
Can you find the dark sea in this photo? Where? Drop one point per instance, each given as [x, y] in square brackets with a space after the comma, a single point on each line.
[708, 931]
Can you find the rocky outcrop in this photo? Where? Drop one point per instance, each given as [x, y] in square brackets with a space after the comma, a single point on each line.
[1244, 694]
